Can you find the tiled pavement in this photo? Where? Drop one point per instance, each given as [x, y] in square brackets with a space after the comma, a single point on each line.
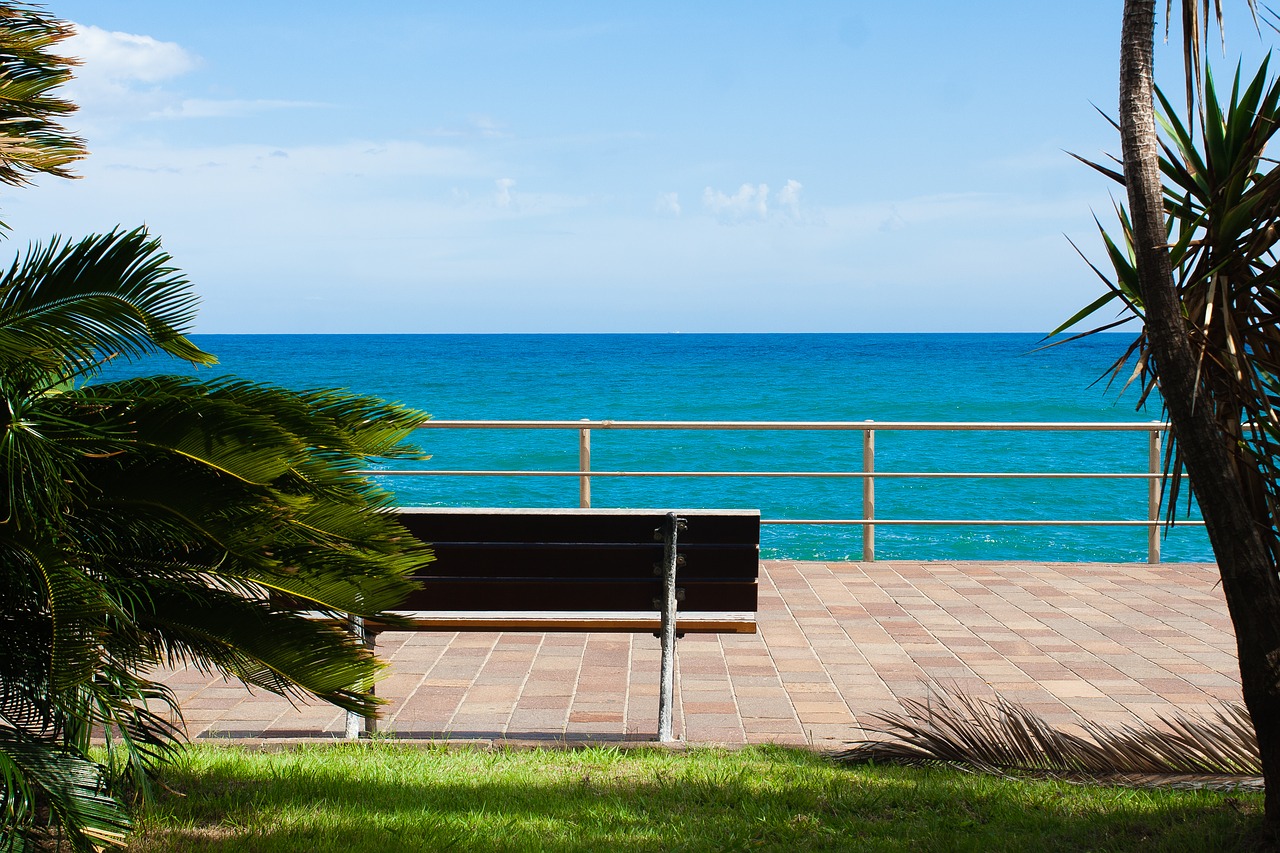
[837, 643]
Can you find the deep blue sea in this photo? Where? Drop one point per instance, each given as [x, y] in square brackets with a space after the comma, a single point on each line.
[744, 377]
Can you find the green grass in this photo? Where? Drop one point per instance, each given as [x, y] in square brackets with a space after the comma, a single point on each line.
[352, 798]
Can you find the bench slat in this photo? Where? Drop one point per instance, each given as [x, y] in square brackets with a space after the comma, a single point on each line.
[522, 594]
[439, 524]
[587, 560]
[593, 621]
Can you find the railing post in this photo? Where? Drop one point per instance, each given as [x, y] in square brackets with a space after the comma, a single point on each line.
[584, 464]
[356, 724]
[669, 533]
[1154, 467]
[868, 492]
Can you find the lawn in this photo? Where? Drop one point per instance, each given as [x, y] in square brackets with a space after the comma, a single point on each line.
[386, 796]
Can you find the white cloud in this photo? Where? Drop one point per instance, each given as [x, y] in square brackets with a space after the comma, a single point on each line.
[502, 197]
[487, 127]
[127, 58]
[751, 203]
[893, 221]
[476, 127]
[127, 77]
[668, 203]
[789, 198]
[747, 203]
[122, 76]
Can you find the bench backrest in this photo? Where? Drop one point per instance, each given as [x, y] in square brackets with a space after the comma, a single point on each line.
[582, 559]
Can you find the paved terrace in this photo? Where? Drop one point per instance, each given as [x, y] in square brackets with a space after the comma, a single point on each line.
[838, 642]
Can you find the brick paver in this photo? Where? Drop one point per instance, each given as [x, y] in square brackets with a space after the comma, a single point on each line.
[838, 643]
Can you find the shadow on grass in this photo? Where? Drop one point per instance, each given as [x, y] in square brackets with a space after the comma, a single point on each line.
[392, 798]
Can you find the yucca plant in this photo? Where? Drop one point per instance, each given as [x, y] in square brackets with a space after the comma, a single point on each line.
[1223, 205]
[1195, 263]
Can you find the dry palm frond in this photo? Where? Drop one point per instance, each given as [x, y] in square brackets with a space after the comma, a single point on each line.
[996, 735]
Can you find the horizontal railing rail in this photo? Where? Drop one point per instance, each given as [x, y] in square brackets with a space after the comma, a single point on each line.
[868, 475]
[790, 426]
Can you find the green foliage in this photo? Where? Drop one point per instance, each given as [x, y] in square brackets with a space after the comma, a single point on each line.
[146, 521]
[31, 139]
[1222, 199]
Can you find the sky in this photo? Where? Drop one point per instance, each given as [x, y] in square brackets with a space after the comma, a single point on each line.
[425, 167]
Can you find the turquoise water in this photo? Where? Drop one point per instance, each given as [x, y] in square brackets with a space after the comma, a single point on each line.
[936, 377]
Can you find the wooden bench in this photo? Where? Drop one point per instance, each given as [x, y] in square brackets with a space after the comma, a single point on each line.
[620, 570]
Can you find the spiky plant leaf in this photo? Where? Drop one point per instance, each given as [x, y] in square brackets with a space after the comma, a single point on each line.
[1223, 201]
[999, 736]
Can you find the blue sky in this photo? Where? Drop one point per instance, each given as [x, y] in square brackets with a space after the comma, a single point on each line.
[575, 167]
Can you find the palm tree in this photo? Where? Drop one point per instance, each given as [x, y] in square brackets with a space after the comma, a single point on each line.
[144, 522]
[147, 521]
[1207, 343]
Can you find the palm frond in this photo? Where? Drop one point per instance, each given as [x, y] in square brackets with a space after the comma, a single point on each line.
[116, 707]
[74, 788]
[67, 305]
[32, 141]
[280, 651]
[69, 600]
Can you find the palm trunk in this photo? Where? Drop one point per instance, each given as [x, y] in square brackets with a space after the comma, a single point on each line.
[1249, 579]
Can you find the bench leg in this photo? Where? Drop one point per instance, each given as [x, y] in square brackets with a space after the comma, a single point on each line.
[358, 724]
[666, 684]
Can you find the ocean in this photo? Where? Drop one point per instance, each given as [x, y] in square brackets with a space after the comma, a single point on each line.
[761, 377]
